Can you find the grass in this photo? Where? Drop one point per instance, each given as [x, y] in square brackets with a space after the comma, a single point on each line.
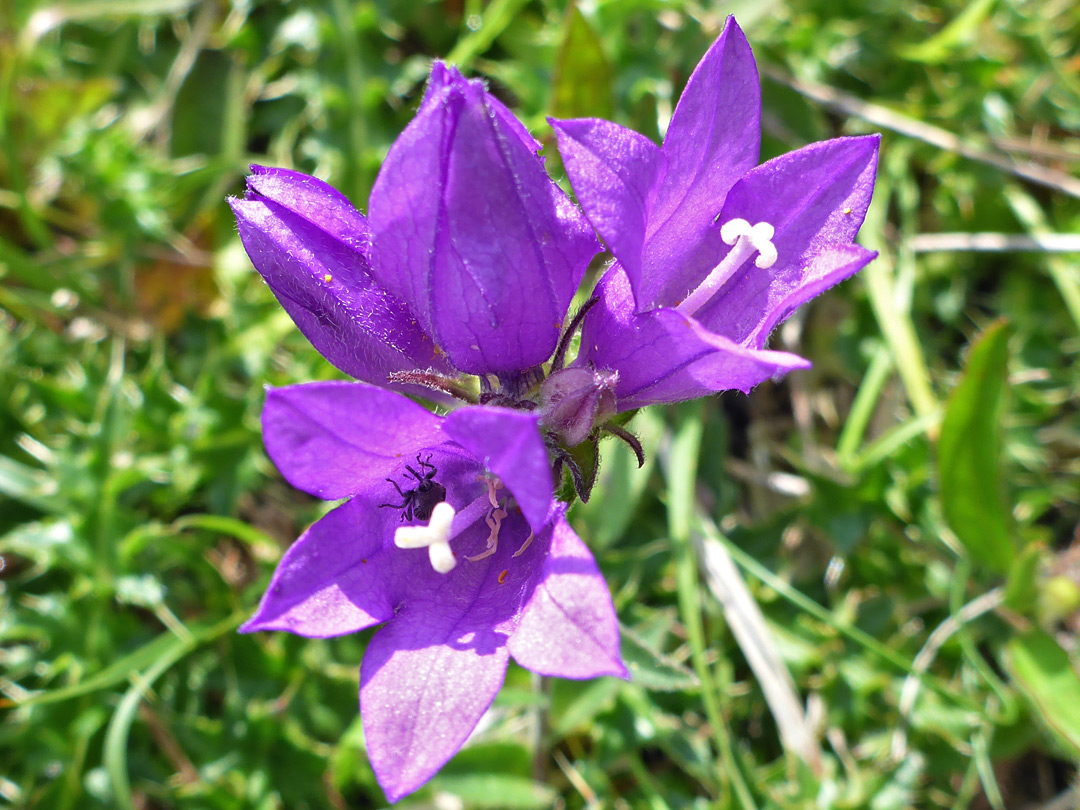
[904, 514]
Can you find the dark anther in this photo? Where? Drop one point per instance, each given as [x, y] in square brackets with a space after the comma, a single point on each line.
[419, 502]
[630, 439]
[564, 342]
[437, 382]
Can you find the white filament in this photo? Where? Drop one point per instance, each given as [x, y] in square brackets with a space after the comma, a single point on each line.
[746, 240]
[435, 537]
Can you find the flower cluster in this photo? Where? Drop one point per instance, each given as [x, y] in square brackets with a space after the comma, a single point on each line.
[458, 285]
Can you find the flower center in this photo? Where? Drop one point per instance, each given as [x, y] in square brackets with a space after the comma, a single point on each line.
[746, 240]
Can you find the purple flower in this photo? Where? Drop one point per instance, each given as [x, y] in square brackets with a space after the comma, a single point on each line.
[711, 252]
[487, 569]
[467, 261]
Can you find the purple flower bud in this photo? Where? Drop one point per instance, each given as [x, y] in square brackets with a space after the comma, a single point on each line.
[575, 400]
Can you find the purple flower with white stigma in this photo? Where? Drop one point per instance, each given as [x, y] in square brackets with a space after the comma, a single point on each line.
[452, 541]
[712, 251]
[467, 261]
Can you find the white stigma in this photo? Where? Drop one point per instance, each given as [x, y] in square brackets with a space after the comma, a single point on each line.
[746, 240]
[759, 236]
[435, 537]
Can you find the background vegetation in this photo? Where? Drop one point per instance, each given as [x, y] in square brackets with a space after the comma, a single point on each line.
[905, 514]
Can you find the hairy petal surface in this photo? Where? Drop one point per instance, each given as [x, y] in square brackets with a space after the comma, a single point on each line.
[332, 580]
[320, 272]
[508, 443]
[472, 234]
[615, 173]
[713, 139]
[448, 77]
[314, 436]
[319, 203]
[816, 198]
[830, 267]
[568, 627]
[665, 356]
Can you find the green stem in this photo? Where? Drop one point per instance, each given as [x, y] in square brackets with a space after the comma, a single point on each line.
[862, 409]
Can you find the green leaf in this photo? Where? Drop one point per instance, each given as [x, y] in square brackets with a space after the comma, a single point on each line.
[32, 486]
[586, 700]
[969, 455]
[582, 82]
[1044, 673]
[1021, 588]
[497, 791]
[963, 29]
[650, 668]
[163, 647]
[114, 752]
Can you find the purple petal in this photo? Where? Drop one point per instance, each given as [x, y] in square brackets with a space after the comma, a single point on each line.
[445, 77]
[508, 443]
[816, 198]
[332, 580]
[713, 139]
[830, 267]
[615, 173]
[319, 203]
[429, 675]
[665, 356]
[472, 234]
[569, 627]
[420, 701]
[334, 439]
[354, 323]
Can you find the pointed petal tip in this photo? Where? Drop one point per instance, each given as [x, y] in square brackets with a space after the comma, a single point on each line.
[731, 25]
[242, 208]
[250, 626]
[448, 77]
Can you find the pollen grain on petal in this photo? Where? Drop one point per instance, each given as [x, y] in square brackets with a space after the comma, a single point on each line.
[327, 278]
[502, 576]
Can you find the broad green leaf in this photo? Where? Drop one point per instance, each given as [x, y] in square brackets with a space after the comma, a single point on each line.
[582, 82]
[1045, 673]
[969, 455]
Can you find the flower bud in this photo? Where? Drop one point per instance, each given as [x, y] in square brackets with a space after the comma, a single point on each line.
[574, 400]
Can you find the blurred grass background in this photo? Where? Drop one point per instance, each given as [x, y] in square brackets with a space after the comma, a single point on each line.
[905, 513]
